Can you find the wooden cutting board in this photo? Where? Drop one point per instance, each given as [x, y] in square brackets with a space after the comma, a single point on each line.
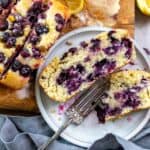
[22, 102]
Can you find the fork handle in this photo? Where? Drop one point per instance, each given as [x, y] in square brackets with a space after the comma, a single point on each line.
[56, 135]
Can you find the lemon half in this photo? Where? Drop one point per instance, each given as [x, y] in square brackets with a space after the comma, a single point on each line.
[144, 6]
[75, 6]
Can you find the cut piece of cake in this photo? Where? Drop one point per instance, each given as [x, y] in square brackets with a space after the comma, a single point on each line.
[5, 8]
[20, 20]
[78, 68]
[13, 36]
[129, 91]
[44, 34]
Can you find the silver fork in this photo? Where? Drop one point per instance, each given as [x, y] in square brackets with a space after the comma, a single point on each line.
[85, 104]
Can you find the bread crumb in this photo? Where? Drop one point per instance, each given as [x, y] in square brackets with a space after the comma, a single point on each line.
[69, 43]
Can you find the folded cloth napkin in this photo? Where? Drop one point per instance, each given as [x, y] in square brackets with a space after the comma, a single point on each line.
[28, 133]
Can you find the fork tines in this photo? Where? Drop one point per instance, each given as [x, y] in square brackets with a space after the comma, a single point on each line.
[87, 100]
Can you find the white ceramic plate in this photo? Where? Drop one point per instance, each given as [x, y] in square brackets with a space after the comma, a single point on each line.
[90, 130]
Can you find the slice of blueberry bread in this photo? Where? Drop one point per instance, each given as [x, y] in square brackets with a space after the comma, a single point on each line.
[44, 33]
[12, 37]
[5, 8]
[129, 91]
[78, 68]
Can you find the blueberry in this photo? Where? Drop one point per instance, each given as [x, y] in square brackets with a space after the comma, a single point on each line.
[132, 102]
[64, 55]
[103, 67]
[44, 7]
[111, 50]
[36, 8]
[25, 53]
[86, 59]
[115, 42]
[5, 36]
[95, 41]
[2, 57]
[95, 45]
[128, 97]
[32, 18]
[17, 25]
[111, 66]
[16, 65]
[127, 43]
[73, 84]
[59, 19]
[5, 3]
[36, 53]
[114, 111]
[70, 78]
[72, 50]
[34, 39]
[19, 20]
[84, 44]
[17, 32]
[62, 77]
[72, 72]
[45, 29]
[11, 41]
[60, 22]
[80, 68]
[3, 25]
[17, 29]
[101, 63]
[34, 11]
[25, 70]
[118, 96]
[41, 29]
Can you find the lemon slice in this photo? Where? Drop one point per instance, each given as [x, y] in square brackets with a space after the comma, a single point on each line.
[144, 6]
[75, 6]
[62, 2]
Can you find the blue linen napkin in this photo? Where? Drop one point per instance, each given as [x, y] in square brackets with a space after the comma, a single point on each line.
[28, 133]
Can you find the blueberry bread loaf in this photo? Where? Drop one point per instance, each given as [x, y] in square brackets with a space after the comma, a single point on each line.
[129, 91]
[78, 68]
[44, 33]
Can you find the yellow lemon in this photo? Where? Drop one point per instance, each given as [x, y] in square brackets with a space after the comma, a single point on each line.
[75, 6]
[144, 6]
[62, 1]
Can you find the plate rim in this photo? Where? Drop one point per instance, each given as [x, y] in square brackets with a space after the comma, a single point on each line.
[38, 95]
